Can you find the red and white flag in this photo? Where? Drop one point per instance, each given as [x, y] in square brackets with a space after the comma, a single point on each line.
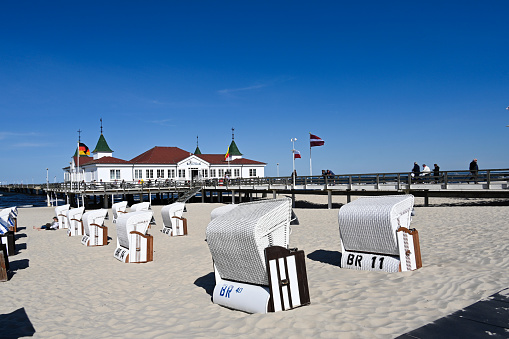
[296, 154]
[315, 140]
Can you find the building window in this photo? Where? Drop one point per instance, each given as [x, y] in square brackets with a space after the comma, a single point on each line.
[204, 173]
[138, 174]
[160, 173]
[114, 174]
[252, 172]
[182, 173]
[221, 173]
[212, 173]
[171, 173]
[149, 174]
[236, 172]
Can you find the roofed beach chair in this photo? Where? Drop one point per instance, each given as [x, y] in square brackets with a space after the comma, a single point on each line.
[143, 206]
[134, 244]
[376, 236]
[173, 222]
[255, 271]
[95, 233]
[74, 221]
[12, 212]
[117, 208]
[8, 224]
[61, 213]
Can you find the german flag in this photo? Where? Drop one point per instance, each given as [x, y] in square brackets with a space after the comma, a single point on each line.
[83, 149]
[227, 155]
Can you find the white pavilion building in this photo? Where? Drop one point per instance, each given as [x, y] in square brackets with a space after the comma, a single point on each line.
[160, 163]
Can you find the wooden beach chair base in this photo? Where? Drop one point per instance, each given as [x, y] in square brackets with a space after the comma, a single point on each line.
[141, 250]
[288, 285]
[4, 263]
[8, 240]
[98, 236]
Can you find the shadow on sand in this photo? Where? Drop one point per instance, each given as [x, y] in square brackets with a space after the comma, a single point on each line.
[327, 257]
[16, 324]
[207, 282]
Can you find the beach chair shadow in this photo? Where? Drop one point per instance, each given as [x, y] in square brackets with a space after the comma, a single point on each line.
[327, 257]
[21, 229]
[20, 247]
[16, 324]
[19, 236]
[16, 265]
[207, 282]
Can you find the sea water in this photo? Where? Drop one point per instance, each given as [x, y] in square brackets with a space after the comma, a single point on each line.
[11, 199]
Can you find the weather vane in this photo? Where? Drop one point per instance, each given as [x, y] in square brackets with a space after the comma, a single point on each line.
[101, 125]
[233, 135]
[79, 135]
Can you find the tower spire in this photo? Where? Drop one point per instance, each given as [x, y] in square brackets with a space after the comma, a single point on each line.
[101, 125]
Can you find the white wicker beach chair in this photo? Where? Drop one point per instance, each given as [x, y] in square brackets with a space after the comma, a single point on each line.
[10, 215]
[117, 208]
[7, 225]
[74, 216]
[61, 213]
[255, 270]
[95, 233]
[375, 234]
[134, 244]
[173, 222]
[141, 206]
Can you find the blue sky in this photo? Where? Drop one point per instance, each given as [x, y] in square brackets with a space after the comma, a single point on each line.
[383, 83]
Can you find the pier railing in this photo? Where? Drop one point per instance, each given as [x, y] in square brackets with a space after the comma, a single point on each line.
[336, 182]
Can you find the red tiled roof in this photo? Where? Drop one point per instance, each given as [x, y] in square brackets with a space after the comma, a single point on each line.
[218, 159]
[83, 160]
[166, 155]
[161, 155]
[108, 160]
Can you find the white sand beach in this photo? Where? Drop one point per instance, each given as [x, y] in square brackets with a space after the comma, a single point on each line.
[71, 291]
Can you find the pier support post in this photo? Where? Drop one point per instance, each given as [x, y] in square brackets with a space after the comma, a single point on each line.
[203, 196]
[105, 201]
[348, 198]
[426, 200]
[293, 199]
[233, 197]
[329, 199]
[274, 194]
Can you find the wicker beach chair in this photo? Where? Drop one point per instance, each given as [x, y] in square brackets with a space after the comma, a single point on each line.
[10, 214]
[61, 213]
[8, 222]
[376, 236]
[95, 233]
[173, 222]
[134, 244]
[141, 206]
[74, 221]
[255, 270]
[117, 208]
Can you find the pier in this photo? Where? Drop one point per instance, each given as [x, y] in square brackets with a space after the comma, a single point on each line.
[492, 183]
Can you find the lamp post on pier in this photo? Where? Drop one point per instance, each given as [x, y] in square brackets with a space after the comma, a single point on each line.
[47, 188]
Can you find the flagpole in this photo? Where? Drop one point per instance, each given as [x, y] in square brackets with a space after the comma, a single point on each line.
[293, 159]
[310, 166]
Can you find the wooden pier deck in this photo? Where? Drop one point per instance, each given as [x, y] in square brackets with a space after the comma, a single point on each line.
[492, 183]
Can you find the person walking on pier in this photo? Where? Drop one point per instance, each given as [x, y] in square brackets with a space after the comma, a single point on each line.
[473, 168]
[416, 170]
[436, 173]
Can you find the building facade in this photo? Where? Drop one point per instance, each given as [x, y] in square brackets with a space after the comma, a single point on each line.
[160, 163]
